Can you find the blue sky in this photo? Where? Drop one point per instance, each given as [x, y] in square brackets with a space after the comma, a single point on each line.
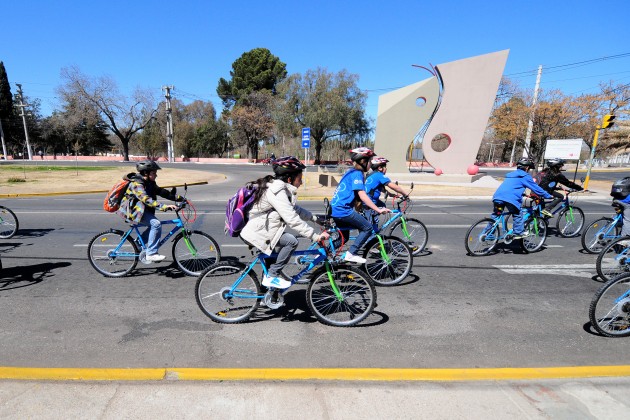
[191, 44]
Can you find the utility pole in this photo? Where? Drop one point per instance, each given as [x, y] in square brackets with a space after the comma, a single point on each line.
[169, 123]
[4, 146]
[530, 125]
[22, 105]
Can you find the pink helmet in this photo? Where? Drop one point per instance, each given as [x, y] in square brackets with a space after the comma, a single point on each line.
[360, 153]
[378, 161]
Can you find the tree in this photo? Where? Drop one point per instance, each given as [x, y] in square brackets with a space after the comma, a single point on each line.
[252, 121]
[256, 70]
[6, 105]
[100, 98]
[212, 138]
[331, 104]
[187, 120]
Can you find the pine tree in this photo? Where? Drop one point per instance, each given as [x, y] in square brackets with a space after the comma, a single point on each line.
[6, 103]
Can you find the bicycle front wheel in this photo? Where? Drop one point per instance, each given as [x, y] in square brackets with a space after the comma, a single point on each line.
[111, 256]
[195, 251]
[570, 221]
[482, 237]
[394, 268]
[344, 299]
[537, 229]
[614, 259]
[9, 224]
[610, 308]
[228, 293]
[598, 234]
[417, 234]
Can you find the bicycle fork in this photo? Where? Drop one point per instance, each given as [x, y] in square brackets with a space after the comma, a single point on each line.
[333, 285]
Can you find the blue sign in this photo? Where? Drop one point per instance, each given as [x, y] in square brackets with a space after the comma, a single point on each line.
[306, 144]
[306, 133]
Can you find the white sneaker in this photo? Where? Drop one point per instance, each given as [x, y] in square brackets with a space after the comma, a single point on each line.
[353, 258]
[276, 282]
[155, 257]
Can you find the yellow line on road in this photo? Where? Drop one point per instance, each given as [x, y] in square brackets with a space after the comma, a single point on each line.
[312, 374]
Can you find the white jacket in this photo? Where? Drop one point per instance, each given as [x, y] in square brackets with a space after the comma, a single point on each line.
[269, 218]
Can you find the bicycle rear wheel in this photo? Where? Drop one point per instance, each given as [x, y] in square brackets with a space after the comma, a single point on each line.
[610, 308]
[614, 259]
[108, 260]
[537, 229]
[195, 255]
[357, 301]
[482, 237]
[598, 234]
[9, 224]
[228, 293]
[418, 234]
[570, 221]
[383, 272]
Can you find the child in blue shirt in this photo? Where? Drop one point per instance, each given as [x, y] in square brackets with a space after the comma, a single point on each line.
[509, 195]
[375, 184]
[349, 193]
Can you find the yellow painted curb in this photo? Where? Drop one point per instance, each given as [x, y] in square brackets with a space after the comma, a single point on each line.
[18, 195]
[310, 374]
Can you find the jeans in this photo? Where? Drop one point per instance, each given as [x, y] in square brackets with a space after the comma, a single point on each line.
[288, 244]
[625, 227]
[151, 236]
[356, 221]
[517, 226]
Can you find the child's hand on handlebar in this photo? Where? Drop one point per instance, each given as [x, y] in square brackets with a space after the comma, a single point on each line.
[171, 207]
[382, 210]
[324, 236]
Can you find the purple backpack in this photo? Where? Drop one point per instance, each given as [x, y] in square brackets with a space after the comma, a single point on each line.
[236, 212]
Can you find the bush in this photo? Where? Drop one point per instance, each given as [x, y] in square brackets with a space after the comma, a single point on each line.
[13, 179]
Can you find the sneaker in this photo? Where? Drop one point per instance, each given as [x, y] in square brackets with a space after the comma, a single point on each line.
[277, 282]
[353, 258]
[522, 235]
[155, 257]
[547, 213]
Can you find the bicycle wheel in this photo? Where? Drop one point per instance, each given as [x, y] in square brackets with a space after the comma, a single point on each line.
[223, 298]
[195, 255]
[598, 234]
[383, 272]
[9, 224]
[357, 296]
[537, 229]
[570, 221]
[610, 308]
[107, 259]
[418, 234]
[482, 237]
[614, 259]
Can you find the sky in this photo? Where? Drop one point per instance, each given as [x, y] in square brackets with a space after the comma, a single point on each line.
[191, 44]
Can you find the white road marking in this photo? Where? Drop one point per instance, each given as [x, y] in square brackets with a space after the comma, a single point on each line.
[573, 270]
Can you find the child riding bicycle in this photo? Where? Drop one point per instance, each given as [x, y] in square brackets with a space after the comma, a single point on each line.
[509, 195]
[375, 184]
[553, 180]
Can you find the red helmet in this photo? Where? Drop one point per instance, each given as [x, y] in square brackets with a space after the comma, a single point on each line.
[378, 161]
[360, 153]
[287, 165]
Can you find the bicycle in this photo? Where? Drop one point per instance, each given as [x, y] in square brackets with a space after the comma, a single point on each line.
[9, 223]
[116, 253]
[609, 311]
[614, 258]
[338, 295]
[570, 218]
[603, 230]
[389, 258]
[412, 230]
[484, 235]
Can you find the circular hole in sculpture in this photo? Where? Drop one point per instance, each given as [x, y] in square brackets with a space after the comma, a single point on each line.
[421, 101]
[440, 142]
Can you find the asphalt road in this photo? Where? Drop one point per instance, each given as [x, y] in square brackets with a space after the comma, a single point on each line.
[454, 311]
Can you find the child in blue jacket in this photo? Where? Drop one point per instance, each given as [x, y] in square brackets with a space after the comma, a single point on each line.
[509, 195]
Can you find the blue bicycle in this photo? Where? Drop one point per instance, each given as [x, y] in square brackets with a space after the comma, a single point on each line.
[570, 218]
[609, 312]
[484, 235]
[602, 231]
[337, 294]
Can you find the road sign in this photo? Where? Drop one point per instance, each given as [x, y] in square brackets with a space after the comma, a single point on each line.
[306, 137]
[564, 149]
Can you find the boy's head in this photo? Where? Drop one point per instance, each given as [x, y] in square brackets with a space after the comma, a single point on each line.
[361, 157]
[147, 168]
[525, 164]
[379, 164]
[555, 164]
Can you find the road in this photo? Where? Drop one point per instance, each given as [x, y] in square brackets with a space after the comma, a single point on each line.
[454, 311]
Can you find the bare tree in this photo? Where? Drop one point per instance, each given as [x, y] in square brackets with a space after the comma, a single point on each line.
[101, 97]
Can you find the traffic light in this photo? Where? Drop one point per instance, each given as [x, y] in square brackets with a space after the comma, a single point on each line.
[608, 121]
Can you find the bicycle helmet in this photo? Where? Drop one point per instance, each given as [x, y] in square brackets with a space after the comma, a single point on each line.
[147, 166]
[287, 165]
[377, 162]
[525, 163]
[361, 153]
[555, 163]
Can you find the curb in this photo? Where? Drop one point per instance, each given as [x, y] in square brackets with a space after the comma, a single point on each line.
[52, 194]
[311, 374]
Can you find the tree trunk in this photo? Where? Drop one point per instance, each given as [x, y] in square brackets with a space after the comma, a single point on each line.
[318, 151]
[125, 148]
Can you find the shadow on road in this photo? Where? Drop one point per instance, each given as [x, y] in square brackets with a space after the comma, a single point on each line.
[32, 233]
[27, 275]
